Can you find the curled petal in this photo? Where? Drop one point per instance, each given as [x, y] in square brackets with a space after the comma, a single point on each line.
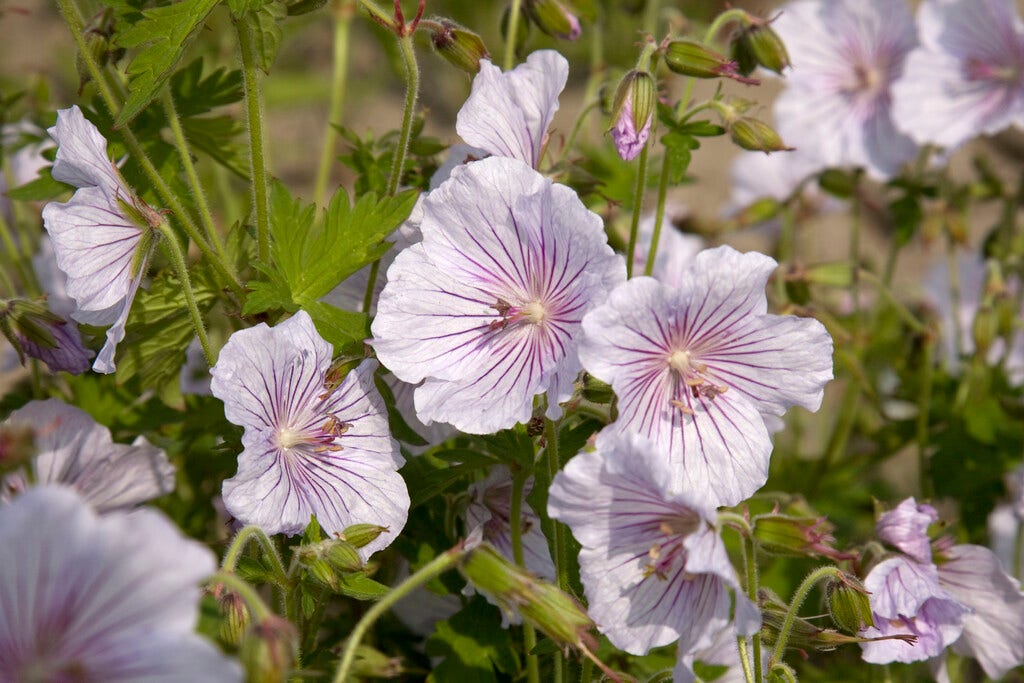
[82, 158]
[905, 527]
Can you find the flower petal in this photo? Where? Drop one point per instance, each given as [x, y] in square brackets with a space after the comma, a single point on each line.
[82, 158]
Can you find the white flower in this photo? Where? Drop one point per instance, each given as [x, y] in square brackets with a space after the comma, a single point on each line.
[90, 598]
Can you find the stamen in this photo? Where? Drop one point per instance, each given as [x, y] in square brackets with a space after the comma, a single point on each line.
[683, 408]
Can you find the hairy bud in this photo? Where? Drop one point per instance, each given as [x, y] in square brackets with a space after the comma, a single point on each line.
[459, 46]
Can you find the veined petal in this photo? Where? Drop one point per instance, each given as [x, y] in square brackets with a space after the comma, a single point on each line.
[508, 114]
[95, 246]
[994, 633]
[82, 158]
[104, 362]
[308, 450]
[905, 527]
[937, 624]
[74, 450]
[485, 310]
[900, 586]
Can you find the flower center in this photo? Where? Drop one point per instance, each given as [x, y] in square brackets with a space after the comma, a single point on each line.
[680, 362]
[978, 69]
[321, 438]
[289, 438]
[534, 312]
[696, 380]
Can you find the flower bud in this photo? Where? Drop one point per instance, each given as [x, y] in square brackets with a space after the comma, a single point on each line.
[361, 535]
[459, 46]
[554, 18]
[269, 650]
[690, 58]
[236, 618]
[795, 536]
[756, 136]
[370, 662]
[759, 211]
[539, 603]
[760, 44]
[36, 332]
[632, 113]
[848, 604]
[324, 560]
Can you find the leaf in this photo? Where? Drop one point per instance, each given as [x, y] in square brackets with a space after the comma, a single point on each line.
[473, 644]
[195, 93]
[361, 587]
[162, 36]
[678, 148]
[43, 188]
[216, 137]
[160, 330]
[262, 19]
[345, 330]
[704, 129]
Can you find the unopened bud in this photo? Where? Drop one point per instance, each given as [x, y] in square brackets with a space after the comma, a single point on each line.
[236, 618]
[324, 560]
[690, 58]
[343, 556]
[596, 391]
[372, 663]
[38, 333]
[984, 329]
[459, 46]
[632, 113]
[848, 604]
[797, 536]
[539, 603]
[839, 183]
[554, 18]
[270, 650]
[760, 45]
[757, 136]
[361, 535]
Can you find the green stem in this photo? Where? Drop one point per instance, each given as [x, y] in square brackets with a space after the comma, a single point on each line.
[659, 217]
[510, 36]
[412, 92]
[748, 673]
[750, 560]
[343, 11]
[924, 401]
[855, 221]
[248, 594]
[638, 205]
[178, 261]
[516, 527]
[561, 544]
[181, 144]
[435, 567]
[412, 89]
[1018, 552]
[28, 281]
[651, 17]
[798, 600]
[711, 37]
[954, 297]
[257, 154]
[242, 539]
[74, 21]
[904, 313]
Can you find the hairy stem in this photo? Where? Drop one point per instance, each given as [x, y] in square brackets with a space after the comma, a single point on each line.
[253, 533]
[638, 205]
[510, 35]
[802, 591]
[257, 153]
[516, 527]
[342, 11]
[177, 257]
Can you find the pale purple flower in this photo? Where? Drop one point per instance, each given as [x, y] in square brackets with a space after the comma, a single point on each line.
[1004, 528]
[993, 632]
[67, 353]
[485, 311]
[490, 508]
[100, 249]
[699, 369]
[74, 450]
[905, 527]
[906, 597]
[845, 55]
[309, 449]
[967, 76]
[628, 140]
[654, 568]
[508, 114]
[101, 598]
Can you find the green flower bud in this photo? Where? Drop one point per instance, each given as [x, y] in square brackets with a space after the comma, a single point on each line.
[848, 604]
[539, 603]
[554, 18]
[270, 650]
[32, 321]
[343, 556]
[361, 535]
[760, 44]
[372, 663]
[236, 618]
[690, 58]
[638, 88]
[795, 536]
[756, 136]
[459, 46]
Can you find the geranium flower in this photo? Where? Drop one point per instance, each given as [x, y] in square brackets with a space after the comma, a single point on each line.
[309, 449]
[699, 368]
[967, 76]
[846, 54]
[489, 511]
[101, 598]
[654, 568]
[485, 310]
[963, 597]
[74, 450]
[102, 237]
[508, 114]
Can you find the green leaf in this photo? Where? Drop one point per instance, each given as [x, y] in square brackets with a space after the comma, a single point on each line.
[43, 188]
[361, 587]
[704, 129]
[162, 36]
[473, 644]
[197, 93]
[678, 148]
[160, 330]
[345, 330]
[216, 136]
[263, 22]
